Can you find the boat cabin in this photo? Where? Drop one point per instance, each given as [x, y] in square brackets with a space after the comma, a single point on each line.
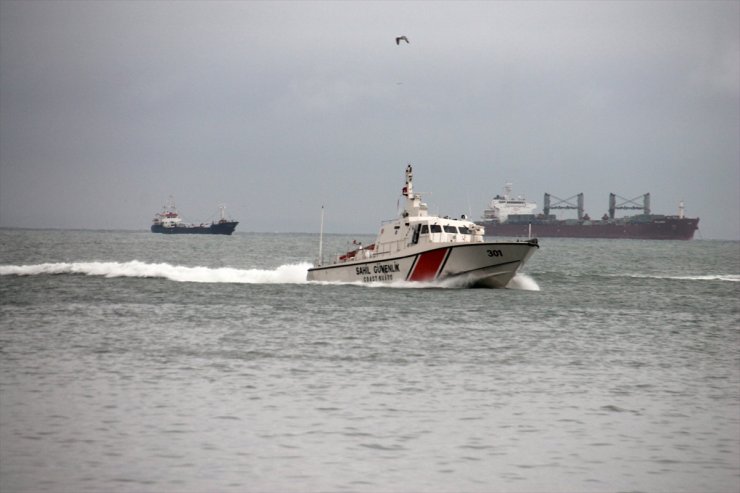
[415, 230]
[399, 235]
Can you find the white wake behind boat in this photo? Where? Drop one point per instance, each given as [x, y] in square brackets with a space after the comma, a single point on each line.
[420, 247]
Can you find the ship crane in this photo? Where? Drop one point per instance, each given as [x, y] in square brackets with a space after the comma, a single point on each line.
[567, 204]
[634, 205]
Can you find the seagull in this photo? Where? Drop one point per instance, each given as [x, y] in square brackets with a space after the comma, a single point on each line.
[401, 38]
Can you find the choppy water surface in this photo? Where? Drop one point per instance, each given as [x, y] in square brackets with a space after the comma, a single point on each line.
[140, 362]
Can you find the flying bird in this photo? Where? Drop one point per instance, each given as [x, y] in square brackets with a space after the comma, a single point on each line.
[401, 38]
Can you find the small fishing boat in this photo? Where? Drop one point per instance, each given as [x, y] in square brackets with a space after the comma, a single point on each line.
[419, 247]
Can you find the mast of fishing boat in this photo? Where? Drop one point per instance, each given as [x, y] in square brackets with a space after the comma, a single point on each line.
[321, 239]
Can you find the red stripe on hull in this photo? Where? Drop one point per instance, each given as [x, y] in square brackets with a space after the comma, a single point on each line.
[428, 265]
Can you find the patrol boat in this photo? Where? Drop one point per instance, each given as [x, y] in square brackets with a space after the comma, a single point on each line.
[419, 247]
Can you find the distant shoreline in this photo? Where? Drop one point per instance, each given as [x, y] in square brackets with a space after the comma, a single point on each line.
[242, 233]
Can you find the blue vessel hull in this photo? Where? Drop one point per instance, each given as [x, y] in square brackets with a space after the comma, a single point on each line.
[224, 228]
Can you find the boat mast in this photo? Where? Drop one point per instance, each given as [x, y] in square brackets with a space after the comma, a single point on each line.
[321, 239]
[414, 206]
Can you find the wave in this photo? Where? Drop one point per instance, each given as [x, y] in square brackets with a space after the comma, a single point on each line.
[707, 277]
[523, 282]
[285, 274]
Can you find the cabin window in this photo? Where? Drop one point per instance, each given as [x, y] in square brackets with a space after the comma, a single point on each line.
[415, 236]
[464, 230]
[436, 228]
[424, 229]
[450, 229]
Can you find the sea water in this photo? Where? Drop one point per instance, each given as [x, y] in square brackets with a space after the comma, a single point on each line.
[137, 362]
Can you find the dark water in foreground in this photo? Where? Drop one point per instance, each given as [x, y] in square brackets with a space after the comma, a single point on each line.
[139, 362]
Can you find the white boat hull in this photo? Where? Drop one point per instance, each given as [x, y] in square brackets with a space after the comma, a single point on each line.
[489, 264]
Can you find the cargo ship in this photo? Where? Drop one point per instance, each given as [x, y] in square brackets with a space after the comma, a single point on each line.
[169, 222]
[512, 216]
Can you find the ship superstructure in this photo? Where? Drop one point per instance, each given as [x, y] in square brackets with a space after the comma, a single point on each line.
[501, 206]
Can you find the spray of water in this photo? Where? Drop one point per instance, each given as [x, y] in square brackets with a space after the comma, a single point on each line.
[523, 282]
[285, 274]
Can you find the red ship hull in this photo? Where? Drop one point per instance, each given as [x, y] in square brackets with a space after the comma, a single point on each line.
[665, 228]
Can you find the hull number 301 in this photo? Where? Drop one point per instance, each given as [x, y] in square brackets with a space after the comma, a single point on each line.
[494, 253]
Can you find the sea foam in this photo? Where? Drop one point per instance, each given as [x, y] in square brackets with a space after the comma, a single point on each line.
[707, 277]
[523, 282]
[285, 274]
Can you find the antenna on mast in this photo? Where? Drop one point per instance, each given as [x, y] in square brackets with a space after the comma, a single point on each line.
[321, 239]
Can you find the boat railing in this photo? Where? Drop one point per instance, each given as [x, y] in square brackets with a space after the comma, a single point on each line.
[384, 249]
[359, 253]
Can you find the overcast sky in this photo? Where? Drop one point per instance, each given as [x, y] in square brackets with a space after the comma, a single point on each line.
[275, 108]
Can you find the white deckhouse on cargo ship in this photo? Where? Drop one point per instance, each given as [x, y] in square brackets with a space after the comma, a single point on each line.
[420, 247]
[501, 206]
